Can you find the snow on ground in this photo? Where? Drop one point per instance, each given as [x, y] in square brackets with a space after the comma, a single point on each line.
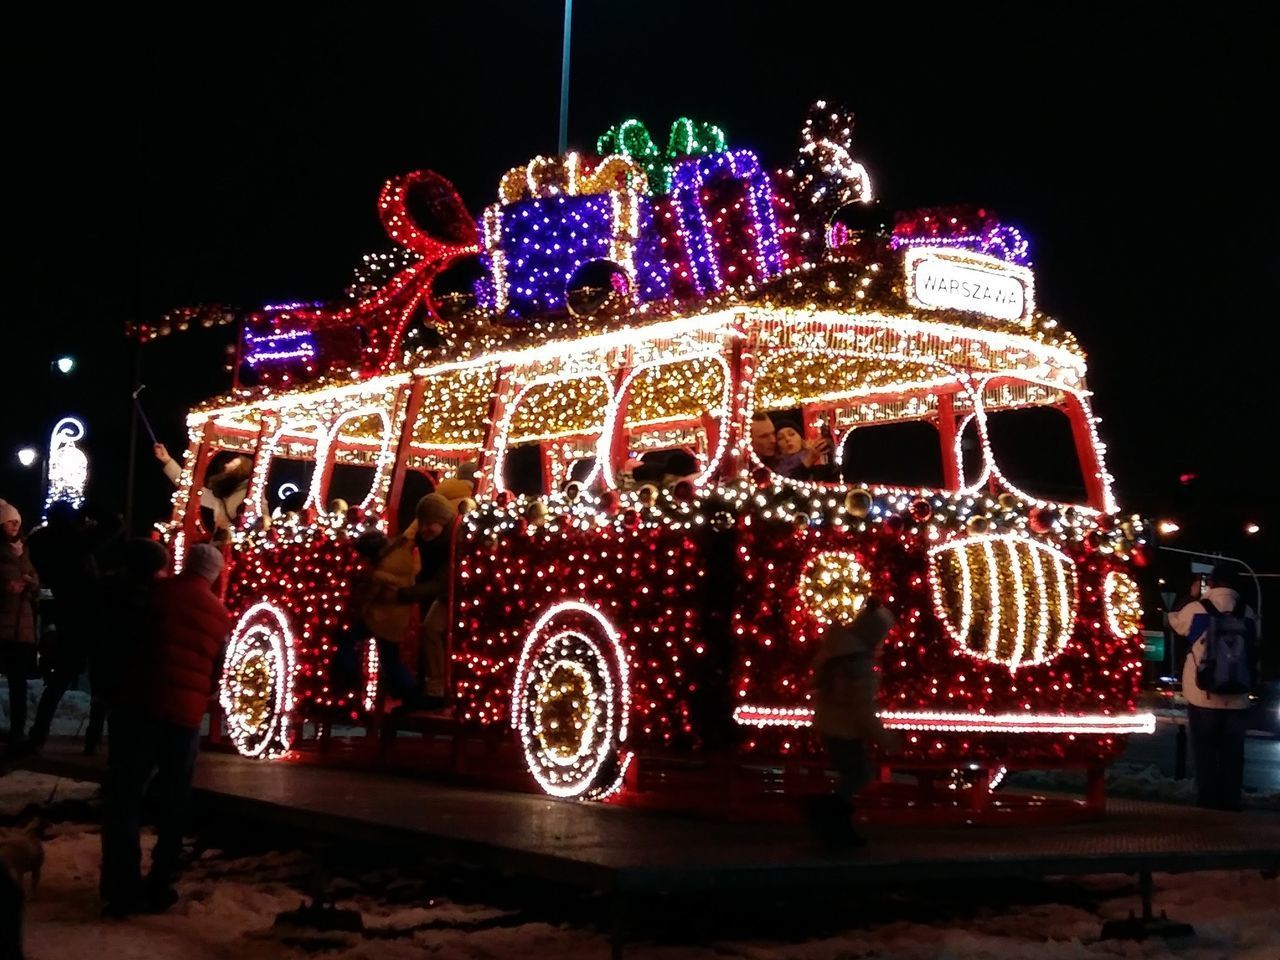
[73, 710]
[230, 902]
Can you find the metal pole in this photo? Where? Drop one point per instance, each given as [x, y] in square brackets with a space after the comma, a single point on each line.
[1257, 584]
[133, 440]
[564, 77]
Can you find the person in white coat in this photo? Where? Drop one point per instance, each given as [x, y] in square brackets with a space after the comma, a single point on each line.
[223, 492]
[1217, 721]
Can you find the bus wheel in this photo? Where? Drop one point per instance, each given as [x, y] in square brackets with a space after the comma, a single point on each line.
[256, 689]
[569, 704]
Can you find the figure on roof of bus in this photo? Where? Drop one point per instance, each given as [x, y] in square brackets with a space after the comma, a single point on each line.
[337, 509]
[433, 526]
[225, 485]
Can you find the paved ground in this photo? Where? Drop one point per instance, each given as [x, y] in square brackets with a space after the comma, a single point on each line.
[608, 847]
[1261, 757]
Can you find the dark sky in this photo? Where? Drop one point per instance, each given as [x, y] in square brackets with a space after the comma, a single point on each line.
[231, 158]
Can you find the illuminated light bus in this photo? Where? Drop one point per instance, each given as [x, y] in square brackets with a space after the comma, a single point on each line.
[680, 488]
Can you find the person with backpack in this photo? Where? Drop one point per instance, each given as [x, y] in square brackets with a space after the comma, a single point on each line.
[1217, 676]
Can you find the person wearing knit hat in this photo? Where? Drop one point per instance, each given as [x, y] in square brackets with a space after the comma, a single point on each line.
[9, 514]
[434, 510]
[19, 594]
[204, 560]
[846, 682]
[455, 489]
[435, 522]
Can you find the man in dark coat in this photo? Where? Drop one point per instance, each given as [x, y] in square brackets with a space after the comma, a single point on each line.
[156, 726]
[62, 552]
[122, 598]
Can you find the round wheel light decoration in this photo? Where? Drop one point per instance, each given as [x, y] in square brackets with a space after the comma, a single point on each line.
[834, 585]
[1123, 603]
[569, 704]
[256, 690]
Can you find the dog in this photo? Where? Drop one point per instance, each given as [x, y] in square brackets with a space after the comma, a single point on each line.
[22, 853]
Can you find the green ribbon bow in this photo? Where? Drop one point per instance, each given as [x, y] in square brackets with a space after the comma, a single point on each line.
[688, 138]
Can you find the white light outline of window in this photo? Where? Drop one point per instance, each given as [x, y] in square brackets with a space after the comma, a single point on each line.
[502, 434]
[604, 449]
[1097, 447]
[382, 470]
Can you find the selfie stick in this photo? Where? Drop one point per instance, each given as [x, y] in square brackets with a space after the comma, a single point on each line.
[137, 405]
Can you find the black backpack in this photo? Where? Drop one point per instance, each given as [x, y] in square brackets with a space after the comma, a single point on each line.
[1230, 651]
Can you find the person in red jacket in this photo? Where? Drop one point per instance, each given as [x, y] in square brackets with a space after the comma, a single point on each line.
[155, 726]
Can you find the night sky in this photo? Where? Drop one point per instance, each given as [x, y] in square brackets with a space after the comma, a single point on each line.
[229, 158]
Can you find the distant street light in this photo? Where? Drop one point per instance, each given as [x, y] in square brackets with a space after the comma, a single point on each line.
[27, 456]
[1251, 528]
[1167, 528]
[65, 364]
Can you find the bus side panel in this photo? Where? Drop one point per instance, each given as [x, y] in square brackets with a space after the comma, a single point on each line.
[650, 583]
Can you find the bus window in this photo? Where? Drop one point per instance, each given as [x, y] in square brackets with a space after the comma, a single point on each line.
[882, 409]
[350, 482]
[226, 481]
[674, 412]
[907, 453]
[552, 425]
[581, 469]
[972, 463]
[522, 470]
[288, 484]
[291, 470]
[353, 457]
[1032, 442]
[417, 484]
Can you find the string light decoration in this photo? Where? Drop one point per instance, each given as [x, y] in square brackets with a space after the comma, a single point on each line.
[1123, 602]
[603, 619]
[370, 669]
[970, 228]
[833, 585]
[802, 717]
[570, 700]
[1007, 599]
[687, 138]
[68, 465]
[256, 691]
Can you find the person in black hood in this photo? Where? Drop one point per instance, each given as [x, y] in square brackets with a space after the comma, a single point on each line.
[62, 551]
